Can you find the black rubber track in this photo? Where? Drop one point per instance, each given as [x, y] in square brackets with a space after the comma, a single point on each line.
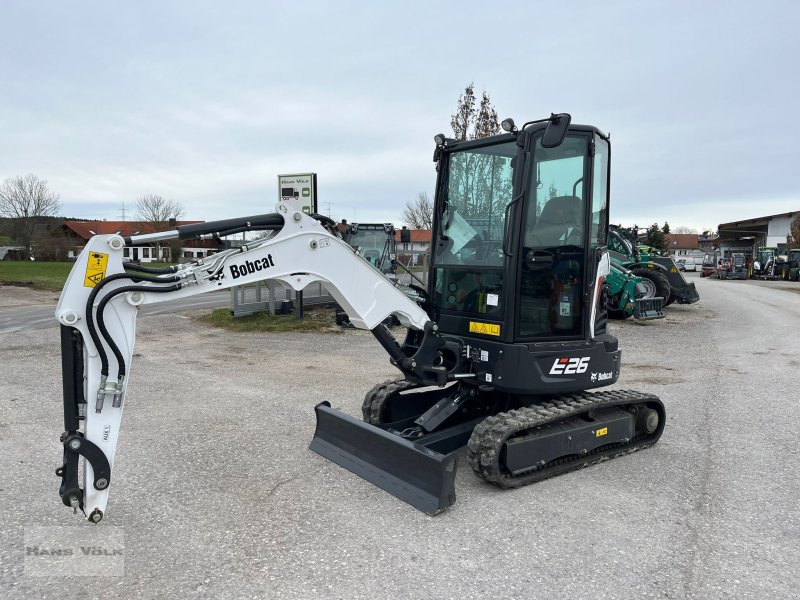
[378, 398]
[485, 447]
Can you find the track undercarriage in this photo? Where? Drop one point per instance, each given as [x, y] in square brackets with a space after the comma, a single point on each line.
[511, 441]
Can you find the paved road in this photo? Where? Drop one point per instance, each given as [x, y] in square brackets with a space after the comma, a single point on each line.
[19, 318]
[38, 316]
[219, 496]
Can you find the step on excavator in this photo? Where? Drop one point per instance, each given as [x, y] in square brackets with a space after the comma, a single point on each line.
[501, 347]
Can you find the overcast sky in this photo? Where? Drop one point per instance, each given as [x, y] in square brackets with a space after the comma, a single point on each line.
[207, 102]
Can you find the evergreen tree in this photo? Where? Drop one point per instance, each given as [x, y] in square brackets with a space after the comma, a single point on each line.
[655, 237]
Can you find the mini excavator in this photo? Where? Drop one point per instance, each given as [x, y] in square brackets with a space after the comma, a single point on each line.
[501, 346]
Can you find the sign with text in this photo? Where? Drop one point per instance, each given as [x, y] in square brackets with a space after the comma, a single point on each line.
[299, 190]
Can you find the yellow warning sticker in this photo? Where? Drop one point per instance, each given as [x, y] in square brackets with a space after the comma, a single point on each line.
[95, 269]
[484, 328]
[601, 432]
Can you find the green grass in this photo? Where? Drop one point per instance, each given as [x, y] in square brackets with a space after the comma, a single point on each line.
[40, 275]
[5, 240]
[314, 319]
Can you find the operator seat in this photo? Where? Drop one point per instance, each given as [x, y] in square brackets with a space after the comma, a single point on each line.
[560, 224]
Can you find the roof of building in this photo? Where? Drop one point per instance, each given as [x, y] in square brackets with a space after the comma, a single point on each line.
[756, 221]
[86, 229]
[418, 236]
[681, 241]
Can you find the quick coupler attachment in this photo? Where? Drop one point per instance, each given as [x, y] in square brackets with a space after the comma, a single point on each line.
[423, 478]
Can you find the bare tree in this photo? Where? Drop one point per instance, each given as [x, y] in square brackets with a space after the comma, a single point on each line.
[486, 122]
[465, 113]
[157, 212]
[684, 229]
[469, 123]
[474, 177]
[25, 198]
[794, 231]
[418, 213]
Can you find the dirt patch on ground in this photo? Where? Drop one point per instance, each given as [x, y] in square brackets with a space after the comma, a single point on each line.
[17, 295]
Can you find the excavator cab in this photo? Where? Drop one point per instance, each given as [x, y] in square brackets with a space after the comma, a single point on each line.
[375, 243]
[516, 230]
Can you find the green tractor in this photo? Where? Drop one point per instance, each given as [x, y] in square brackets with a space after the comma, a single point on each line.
[632, 296]
[644, 262]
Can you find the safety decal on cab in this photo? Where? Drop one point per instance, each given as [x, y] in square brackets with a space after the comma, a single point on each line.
[484, 328]
[95, 269]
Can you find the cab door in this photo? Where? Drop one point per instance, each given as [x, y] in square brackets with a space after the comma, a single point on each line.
[468, 273]
[555, 242]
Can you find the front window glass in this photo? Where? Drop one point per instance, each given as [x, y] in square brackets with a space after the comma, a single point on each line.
[469, 250]
[479, 187]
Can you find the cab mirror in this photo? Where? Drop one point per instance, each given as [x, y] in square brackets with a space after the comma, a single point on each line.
[556, 130]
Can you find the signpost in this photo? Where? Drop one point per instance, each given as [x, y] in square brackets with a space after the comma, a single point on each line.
[299, 190]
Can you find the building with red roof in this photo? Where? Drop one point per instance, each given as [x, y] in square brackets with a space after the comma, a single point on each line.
[70, 238]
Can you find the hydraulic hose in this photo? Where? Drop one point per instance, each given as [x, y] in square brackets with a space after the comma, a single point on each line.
[141, 269]
[90, 304]
[102, 325]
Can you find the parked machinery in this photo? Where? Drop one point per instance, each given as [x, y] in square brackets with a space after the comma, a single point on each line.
[793, 260]
[769, 264]
[711, 262]
[632, 296]
[375, 243]
[643, 261]
[736, 268]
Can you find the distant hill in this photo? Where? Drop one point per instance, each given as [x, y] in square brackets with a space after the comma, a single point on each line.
[8, 227]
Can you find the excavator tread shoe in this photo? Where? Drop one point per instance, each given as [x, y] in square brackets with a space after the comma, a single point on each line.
[526, 445]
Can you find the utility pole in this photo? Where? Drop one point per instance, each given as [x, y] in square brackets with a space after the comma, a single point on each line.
[123, 213]
[329, 208]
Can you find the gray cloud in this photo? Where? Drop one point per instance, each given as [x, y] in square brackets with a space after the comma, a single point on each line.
[206, 103]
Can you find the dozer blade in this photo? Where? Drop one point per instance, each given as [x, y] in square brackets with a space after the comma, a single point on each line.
[423, 478]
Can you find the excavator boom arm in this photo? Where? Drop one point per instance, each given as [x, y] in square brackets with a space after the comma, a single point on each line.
[99, 304]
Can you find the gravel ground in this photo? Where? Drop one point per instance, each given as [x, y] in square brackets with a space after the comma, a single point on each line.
[17, 295]
[218, 495]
